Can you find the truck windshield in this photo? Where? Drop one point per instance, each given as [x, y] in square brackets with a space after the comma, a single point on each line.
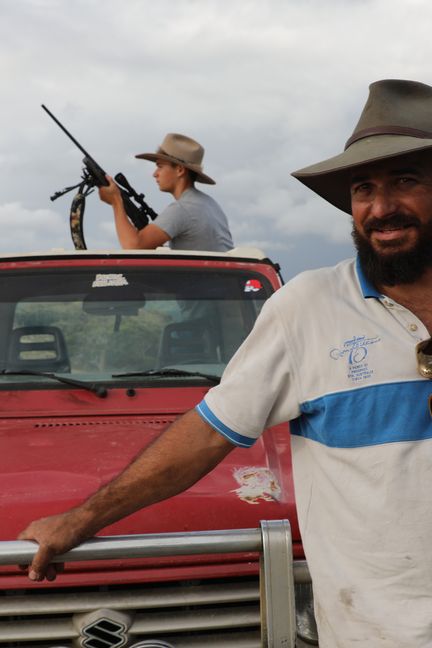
[96, 323]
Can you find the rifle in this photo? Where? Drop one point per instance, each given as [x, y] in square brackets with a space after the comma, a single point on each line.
[137, 210]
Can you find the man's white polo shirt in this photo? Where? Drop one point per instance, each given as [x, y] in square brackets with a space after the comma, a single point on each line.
[337, 359]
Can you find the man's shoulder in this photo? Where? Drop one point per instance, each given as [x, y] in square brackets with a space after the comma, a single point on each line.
[322, 282]
[340, 271]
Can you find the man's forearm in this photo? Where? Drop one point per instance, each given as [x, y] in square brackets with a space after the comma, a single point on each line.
[179, 458]
[183, 454]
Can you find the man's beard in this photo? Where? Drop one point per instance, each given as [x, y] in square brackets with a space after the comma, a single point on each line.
[399, 267]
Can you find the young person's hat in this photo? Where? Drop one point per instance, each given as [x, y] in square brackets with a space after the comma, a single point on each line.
[180, 149]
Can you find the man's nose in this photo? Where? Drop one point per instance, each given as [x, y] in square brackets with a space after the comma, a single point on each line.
[384, 202]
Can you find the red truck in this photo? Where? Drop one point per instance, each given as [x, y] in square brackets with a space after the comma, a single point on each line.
[100, 352]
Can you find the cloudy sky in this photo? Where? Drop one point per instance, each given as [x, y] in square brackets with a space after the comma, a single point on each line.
[267, 86]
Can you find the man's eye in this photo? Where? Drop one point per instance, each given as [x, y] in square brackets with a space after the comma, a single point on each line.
[360, 188]
[406, 180]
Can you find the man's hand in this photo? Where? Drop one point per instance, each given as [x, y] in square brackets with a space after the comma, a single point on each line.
[55, 535]
[110, 194]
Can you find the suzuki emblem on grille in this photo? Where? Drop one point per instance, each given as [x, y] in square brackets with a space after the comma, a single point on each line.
[103, 629]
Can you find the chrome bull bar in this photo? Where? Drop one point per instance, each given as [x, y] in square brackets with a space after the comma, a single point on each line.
[272, 541]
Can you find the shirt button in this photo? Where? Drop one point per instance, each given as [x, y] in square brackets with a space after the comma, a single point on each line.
[413, 327]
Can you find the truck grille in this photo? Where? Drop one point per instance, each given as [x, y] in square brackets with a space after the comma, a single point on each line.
[220, 613]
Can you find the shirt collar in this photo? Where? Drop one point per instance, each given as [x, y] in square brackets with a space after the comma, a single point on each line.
[367, 288]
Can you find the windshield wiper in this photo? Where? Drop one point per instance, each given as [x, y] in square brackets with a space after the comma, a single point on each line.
[168, 372]
[96, 389]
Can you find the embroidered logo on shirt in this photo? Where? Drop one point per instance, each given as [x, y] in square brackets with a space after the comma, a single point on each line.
[356, 351]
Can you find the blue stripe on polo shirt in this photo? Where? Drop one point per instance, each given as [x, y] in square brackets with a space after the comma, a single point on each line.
[387, 413]
[238, 439]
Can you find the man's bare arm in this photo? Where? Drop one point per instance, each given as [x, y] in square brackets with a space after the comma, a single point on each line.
[188, 450]
[148, 238]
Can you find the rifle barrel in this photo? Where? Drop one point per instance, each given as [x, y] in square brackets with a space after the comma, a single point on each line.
[81, 148]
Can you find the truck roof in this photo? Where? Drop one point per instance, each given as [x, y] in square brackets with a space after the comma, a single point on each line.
[240, 253]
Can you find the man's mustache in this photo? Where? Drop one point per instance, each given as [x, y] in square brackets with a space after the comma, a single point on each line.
[395, 221]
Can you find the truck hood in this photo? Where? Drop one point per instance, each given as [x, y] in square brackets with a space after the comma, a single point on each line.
[47, 466]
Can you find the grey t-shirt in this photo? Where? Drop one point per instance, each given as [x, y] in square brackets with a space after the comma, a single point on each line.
[196, 222]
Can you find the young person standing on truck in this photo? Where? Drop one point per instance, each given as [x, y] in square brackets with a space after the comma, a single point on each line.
[342, 353]
[194, 221]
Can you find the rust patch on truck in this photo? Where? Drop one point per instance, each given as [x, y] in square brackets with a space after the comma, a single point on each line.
[256, 483]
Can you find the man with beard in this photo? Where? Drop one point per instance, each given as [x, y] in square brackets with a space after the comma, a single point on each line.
[341, 353]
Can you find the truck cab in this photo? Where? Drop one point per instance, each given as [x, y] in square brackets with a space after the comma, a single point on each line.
[99, 353]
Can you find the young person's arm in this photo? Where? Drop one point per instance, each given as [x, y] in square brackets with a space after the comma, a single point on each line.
[148, 238]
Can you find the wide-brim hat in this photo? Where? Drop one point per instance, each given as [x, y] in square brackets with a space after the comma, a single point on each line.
[180, 149]
[396, 120]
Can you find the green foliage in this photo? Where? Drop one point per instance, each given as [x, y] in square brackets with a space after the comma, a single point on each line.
[101, 343]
